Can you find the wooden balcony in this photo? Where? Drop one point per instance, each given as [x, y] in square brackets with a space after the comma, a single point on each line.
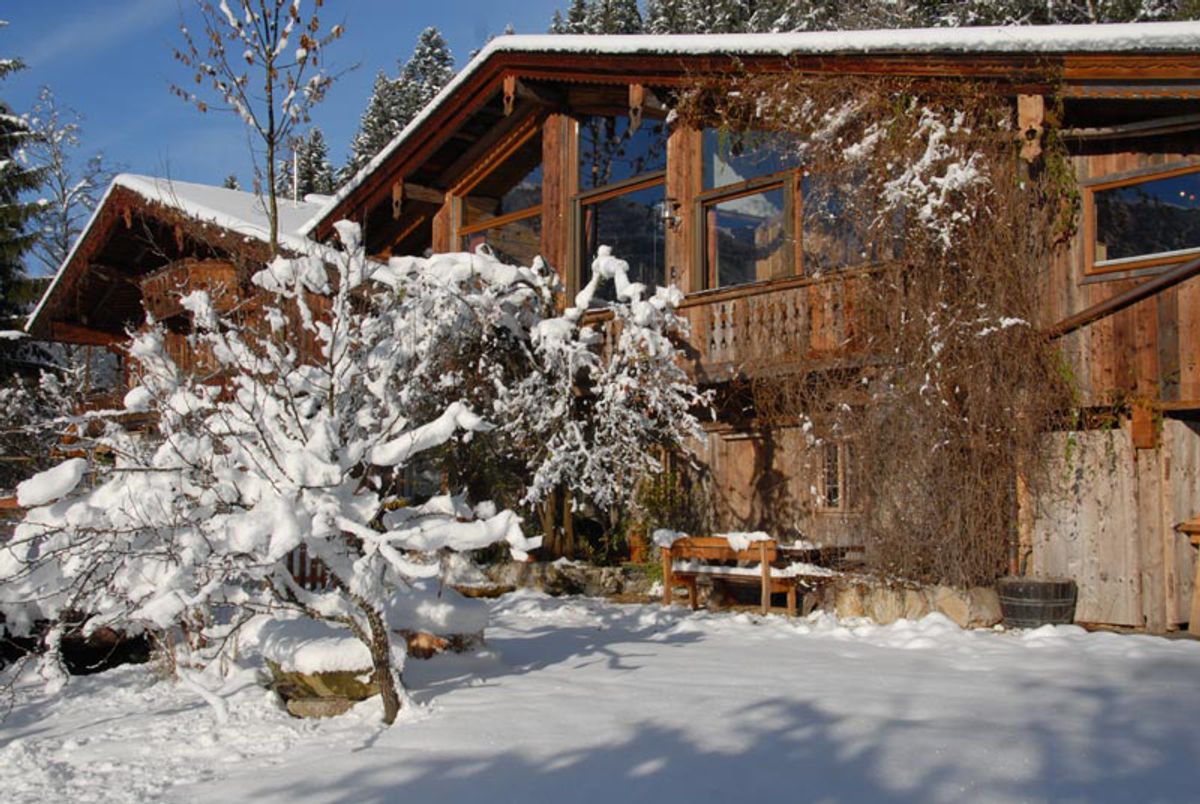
[770, 327]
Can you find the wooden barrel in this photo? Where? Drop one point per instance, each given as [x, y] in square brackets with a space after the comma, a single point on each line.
[1030, 603]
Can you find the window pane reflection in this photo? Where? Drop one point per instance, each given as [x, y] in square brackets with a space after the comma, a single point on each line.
[515, 243]
[609, 152]
[632, 225]
[747, 237]
[732, 157]
[1158, 216]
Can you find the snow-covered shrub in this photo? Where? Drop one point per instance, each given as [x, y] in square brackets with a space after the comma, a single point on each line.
[299, 445]
[298, 434]
[581, 403]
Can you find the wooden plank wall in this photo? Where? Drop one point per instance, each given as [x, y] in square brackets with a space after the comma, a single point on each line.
[768, 480]
[1152, 349]
[1107, 517]
[1085, 522]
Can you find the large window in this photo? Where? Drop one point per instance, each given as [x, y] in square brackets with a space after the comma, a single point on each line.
[622, 193]
[1145, 220]
[747, 203]
[835, 234]
[503, 210]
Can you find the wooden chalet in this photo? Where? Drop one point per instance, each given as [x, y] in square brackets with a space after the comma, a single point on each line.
[554, 145]
[149, 242]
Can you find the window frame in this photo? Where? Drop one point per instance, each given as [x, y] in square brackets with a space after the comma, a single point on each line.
[1119, 268]
[848, 502]
[461, 230]
[582, 199]
[706, 269]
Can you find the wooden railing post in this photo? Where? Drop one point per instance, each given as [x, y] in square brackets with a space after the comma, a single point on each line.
[668, 580]
[765, 566]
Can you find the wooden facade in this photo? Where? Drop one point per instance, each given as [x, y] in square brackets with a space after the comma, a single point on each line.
[499, 158]
[1128, 113]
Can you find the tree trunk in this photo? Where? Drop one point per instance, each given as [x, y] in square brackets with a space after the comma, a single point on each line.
[381, 660]
[568, 519]
[550, 524]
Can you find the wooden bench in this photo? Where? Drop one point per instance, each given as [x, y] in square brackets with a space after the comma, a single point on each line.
[701, 551]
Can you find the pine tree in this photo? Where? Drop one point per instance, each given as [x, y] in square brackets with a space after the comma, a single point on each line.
[557, 24]
[614, 17]
[430, 68]
[577, 18]
[718, 16]
[669, 17]
[782, 16]
[231, 182]
[314, 173]
[377, 126]
[15, 180]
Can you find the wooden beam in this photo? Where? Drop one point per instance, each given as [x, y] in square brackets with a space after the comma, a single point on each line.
[510, 93]
[1141, 128]
[85, 336]
[402, 190]
[637, 94]
[499, 143]
[1125, 299]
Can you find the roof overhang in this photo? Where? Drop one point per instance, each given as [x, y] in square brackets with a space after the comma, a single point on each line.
[1155, 59]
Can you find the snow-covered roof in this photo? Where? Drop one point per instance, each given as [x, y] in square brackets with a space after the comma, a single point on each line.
[235, 211]
[1144, 37]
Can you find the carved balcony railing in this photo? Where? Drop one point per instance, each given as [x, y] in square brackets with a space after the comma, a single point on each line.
[768, 327]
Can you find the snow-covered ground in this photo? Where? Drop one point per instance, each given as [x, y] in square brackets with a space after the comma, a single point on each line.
[581, 700]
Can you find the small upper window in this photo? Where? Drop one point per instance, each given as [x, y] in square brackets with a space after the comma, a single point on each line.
[610, 153]
[732, 157]
[1148, 220]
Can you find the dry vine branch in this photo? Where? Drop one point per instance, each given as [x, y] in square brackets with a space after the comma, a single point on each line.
[944, 385]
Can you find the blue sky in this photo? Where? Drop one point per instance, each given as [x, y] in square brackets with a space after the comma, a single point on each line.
[112, 61]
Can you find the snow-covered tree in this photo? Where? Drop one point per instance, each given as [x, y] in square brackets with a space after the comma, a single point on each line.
[300, 445]
[428, 70]
[315, 170]
[380, 122]
[614, 17]
[602, 402]
[718, 16]
[263, 61]
[311, 168]
[69, 191]
[394, 102]
[575, 22]
[16, 179]
[231, 182]
[668, 17]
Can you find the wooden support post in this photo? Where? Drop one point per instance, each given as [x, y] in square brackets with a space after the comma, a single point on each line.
[397, 198]
[791, 600]
[766, 576]
[668, 580]
[1142, 427]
